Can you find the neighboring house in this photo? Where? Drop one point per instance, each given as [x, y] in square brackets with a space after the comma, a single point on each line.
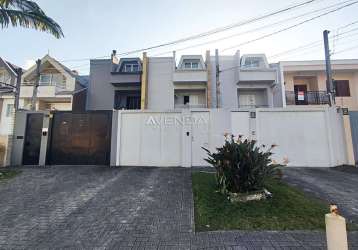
[57, 86]
[59, 89]
[305, 82]
[8, 76]
[115, 84]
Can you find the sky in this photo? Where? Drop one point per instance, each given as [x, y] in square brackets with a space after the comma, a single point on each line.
[94, 28]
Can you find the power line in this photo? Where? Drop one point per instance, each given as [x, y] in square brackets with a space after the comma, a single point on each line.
[317, 42]
[255, 29]
[290, 27]
[210, 32]
[221, 29]
[344, 50]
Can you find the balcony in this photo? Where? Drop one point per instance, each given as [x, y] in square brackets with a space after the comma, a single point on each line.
[189, 106]
[190, 76]
[257, 75]
[43, 90]
[308, 98]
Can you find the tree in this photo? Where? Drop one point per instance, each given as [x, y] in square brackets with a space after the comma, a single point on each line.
[27, 14]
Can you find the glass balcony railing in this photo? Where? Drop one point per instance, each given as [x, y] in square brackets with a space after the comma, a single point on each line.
[191, 106]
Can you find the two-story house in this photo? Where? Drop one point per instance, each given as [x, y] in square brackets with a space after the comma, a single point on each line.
[245, 82]
[177, 86]
[305, 82]
[59, 89]
[58, 86]
[115, 84]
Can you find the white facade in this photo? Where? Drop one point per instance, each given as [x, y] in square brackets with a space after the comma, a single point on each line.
[176, 138]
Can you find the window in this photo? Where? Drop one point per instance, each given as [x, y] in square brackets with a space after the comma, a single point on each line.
[2, 77]
[133, 102]
[130, 67]
[191, 64]
[45, 79]
[252, 62]
[342, 88]
[9, 110]
[186, 99]
[127, 99]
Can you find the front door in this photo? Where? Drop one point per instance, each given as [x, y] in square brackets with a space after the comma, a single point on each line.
[33, 134]
[300, 94]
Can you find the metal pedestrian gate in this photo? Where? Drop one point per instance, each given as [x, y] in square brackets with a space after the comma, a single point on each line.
[353, 115]
[80, 138]
[31, 152]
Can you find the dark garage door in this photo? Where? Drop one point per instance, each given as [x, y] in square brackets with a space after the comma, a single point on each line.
[80, 139]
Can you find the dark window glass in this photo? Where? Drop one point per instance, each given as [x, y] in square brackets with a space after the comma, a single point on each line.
[186, 99]
[133, 102]
[342, 88]
[126, 100]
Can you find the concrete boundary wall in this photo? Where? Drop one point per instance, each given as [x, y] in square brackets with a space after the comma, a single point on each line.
[306, 136]
[311, 137]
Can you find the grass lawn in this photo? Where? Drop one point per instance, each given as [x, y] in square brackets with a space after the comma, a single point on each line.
[6, 174]
[289, 209]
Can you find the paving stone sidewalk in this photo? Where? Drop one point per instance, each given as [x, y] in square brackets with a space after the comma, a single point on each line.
[75, 207]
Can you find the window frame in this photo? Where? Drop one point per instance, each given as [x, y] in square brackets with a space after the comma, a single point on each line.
[9, 109]
[346, 92]
[191, 64]
[131, 66]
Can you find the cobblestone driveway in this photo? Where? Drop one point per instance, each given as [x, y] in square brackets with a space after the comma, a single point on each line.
[126, 208]
[338, 187]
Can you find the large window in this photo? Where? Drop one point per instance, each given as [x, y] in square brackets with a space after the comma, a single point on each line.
[127, 99]
[191, 64]
[342, 88]
[253, 62]
[51, 79]
[130, 67]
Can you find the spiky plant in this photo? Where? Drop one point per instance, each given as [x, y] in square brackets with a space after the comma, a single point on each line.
[241, 166]
[27, 14]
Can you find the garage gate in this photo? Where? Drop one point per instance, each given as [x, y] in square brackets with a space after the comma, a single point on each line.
[80, 138]
[163, 139]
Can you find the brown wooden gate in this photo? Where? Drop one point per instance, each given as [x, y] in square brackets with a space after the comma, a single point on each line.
[80, 138]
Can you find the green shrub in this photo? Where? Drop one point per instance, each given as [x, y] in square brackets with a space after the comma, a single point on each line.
[241, 166]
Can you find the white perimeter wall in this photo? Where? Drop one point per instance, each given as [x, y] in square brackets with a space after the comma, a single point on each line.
[312, 137]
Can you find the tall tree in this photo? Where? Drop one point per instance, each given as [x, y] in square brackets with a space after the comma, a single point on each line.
[27, 14]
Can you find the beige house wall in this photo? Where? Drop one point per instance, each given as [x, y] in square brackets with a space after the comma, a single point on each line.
[316, 81]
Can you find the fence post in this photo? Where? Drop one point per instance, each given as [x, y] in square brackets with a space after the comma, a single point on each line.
[336, 231]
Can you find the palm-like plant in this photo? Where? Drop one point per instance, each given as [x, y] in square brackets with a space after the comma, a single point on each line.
[27, 14]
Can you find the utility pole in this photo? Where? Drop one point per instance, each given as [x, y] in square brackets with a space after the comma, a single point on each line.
[17, 88]
[12, 137]
[329, 81]
[36, 85]
[218, 101]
